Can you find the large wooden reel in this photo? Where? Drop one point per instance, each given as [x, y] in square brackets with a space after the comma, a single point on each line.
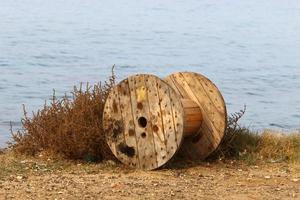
[202, 91]
[143, 120]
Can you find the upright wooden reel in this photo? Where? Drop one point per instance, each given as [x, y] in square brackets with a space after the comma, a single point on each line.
[146, 119]
[202, 91]
[143, 120]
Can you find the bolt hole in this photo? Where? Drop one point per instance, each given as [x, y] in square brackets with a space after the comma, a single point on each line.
[142, 122]
[143, 135]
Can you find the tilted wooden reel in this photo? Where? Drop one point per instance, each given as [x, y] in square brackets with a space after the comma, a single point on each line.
[147, 119]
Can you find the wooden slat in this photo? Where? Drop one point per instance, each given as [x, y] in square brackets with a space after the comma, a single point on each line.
[213, 93]
[177, 115]
[215, 100]
[156, 121]
[115, 129]
[178, 89]
[129, 126]
[167, 117]
[140, 108]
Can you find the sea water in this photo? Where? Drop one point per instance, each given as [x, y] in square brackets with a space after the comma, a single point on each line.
[249, 49]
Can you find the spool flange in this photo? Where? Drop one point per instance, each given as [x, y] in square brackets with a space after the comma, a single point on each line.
[143, 121]
[190, 85]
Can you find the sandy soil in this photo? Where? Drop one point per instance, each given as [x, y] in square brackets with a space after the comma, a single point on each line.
[46, 179]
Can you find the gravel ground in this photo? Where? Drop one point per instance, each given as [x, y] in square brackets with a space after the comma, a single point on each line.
[23, 178]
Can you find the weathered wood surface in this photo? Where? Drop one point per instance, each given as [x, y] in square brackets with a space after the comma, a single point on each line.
[201, 90]
[143, 120]
[192, 117]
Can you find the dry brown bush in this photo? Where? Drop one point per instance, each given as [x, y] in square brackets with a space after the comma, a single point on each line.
[241, 143]
[69, 127]
[237, 139]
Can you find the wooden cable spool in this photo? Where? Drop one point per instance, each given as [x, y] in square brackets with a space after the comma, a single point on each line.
[146, 119]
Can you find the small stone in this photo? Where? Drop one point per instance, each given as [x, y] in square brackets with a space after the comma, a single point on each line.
[267, 177]
[60, 192]
[293, 194]
[295, 179]
[19, 178]
[111, 163]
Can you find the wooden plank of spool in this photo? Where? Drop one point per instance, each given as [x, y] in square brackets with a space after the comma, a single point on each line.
[171, 108]
[150, 115]
[206, 95]
[115, 127]
[156, 120]
[144, 135]
[128, 119]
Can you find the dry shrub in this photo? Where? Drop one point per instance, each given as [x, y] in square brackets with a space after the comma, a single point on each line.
[279, 147]
[69, 127]
[241, 143]
[237, 140]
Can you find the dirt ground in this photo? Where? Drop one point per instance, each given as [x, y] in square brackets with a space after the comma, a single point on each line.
[22, 178]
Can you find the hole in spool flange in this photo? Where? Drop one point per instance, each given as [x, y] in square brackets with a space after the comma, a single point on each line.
[142, 122]
[143, 135]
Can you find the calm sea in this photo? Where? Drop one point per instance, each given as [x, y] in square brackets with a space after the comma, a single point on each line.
[250, 49]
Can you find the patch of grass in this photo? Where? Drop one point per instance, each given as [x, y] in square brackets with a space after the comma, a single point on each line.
[276, 147]
[241, 143]
[10, 164]
[69, 127]
[238, 141]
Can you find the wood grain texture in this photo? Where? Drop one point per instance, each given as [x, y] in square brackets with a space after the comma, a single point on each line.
[143, 119]
[211, 103]
[192, 117]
